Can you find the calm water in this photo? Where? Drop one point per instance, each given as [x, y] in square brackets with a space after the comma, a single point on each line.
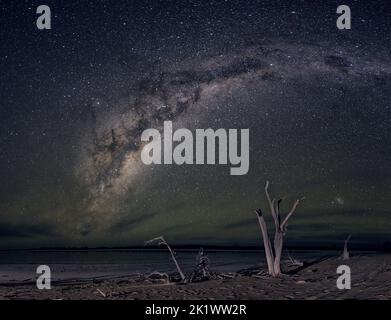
[20, 266]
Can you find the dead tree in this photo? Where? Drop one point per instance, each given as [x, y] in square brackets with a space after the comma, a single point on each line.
[161, 241]
[273, 258]
[345, 255]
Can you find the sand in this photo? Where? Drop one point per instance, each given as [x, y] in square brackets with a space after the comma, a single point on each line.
[370, 279]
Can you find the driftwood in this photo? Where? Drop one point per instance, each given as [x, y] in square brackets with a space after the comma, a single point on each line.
[101, 293]
[273, 258]
[158, 276]
[293, 262]
[345, 254]
[161, 241]
[201, 271]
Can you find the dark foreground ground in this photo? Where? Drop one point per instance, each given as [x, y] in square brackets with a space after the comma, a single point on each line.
[371, 279]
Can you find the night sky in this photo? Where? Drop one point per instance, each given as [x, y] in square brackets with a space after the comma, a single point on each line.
[316, 99]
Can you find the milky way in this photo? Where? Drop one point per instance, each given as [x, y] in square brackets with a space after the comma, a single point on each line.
[112, 162]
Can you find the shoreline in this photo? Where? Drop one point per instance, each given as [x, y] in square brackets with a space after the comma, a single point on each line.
[370, 274]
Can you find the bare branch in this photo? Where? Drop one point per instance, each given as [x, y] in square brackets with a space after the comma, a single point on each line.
[277, 209]
[267, 185]
[271, 204]
[158, 241]
[268, 197]
[295, 204]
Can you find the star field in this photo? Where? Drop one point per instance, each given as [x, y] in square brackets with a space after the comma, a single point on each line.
[75, 99]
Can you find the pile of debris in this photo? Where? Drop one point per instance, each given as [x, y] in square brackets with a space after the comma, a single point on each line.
[202, 271]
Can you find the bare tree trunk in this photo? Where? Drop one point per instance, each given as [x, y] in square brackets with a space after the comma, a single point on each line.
[266, 243]
[278, 242]
[345, 255]
[274, 258]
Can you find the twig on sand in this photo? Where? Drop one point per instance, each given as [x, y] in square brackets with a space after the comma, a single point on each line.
[227, 275]
[158, 276]
[101, 292]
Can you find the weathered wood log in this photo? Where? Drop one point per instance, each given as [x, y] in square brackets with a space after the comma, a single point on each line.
[161, 241]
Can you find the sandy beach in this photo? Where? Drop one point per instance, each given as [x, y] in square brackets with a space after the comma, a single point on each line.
[370, 279]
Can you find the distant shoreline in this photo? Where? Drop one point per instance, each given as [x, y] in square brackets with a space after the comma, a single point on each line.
[386, 248]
